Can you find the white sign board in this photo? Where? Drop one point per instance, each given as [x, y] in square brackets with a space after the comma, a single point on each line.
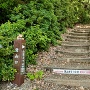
[65, 71]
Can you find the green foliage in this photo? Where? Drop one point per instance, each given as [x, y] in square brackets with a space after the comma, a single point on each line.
[7, 73]
[81, 9]
[35, 14]
[35, 40]
[70, 12]
[36, 89]
[6, 3]
[36, 75]
[39, 74]
[84, 12]
[41, 26]
[5, 8]
[30, 76]
[8, 34]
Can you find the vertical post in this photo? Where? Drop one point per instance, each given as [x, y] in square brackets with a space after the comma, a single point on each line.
[19, 60]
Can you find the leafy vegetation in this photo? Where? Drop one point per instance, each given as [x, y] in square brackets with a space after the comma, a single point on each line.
[37, 75]
[41, 23]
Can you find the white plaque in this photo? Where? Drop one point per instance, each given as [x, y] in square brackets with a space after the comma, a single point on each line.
[16, 62]
[22, 70]
[65, 71]
[16, 49]
[22, 64]
[16, 56]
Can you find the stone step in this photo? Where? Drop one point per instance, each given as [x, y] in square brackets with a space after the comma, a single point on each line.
[72, 63]
[71, 60]
[78, 34]
[82, 26]
[77, 44]
[74, 45]
[75, 40]
[68, 55]
[81, 30]
[72, 38]
[66, 65]
[78, 37]
[72, 55]
[77, 52]
[85, 83]
[76, 49]
[70, 76]
[71, 80]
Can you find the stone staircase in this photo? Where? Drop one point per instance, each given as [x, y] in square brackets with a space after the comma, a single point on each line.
[73, 54]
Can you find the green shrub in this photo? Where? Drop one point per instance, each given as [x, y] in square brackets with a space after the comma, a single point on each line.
[35, 40]
[6, 52]
[9, 32]
[41, 26]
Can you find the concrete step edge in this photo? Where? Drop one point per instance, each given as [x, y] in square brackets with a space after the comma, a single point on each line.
[75, 40]
[75, 45]
[71, 52]
[79, 60]
[78, 37]
[85, 83]
[76, 33]
[67, 43]
[51, 67]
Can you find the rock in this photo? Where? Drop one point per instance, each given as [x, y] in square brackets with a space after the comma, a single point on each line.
[81, 88]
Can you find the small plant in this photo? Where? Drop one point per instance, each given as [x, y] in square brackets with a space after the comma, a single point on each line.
[36, 75]
[40, 74]
[30, 76]
[36, 89]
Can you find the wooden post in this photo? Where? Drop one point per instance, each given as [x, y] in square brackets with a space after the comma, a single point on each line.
[19, 61]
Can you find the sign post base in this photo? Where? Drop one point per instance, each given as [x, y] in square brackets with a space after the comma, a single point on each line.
[19, 79]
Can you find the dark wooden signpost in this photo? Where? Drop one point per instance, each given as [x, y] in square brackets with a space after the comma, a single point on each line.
[19, 61]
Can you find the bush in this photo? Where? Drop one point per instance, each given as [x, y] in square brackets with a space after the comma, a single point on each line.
[6, 52]
[35, 40]
[41, 26]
